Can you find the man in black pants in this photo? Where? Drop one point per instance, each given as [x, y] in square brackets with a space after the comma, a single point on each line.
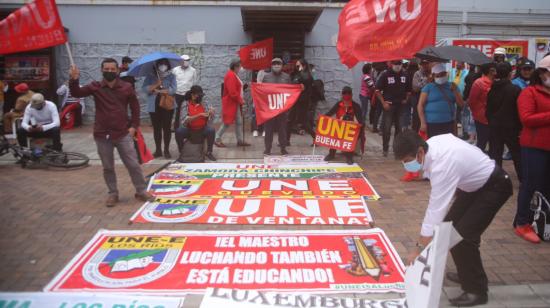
[454, 167]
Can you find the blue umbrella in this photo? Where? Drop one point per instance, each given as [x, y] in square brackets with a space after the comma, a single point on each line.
[146, 64]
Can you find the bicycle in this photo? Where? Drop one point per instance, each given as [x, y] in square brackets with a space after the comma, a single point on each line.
[33, 157]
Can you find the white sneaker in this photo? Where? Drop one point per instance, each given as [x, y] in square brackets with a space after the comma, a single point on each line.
[263, 134]
[255, 133]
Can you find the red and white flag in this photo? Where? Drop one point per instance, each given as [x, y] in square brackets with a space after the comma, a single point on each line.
[381, 30]
[257, 56]
[272, 99]
[34, 26]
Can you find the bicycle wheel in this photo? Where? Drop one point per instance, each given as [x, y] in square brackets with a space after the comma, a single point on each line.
[66, 160]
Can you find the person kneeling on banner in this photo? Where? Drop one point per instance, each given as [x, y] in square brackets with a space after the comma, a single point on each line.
[457, 168]
[40, 120]
[348, 110]
[195, 115]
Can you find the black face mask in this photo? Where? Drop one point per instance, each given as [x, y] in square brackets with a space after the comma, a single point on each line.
[109, 76]
[198, 100]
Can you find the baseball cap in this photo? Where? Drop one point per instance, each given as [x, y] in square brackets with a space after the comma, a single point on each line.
[185, 57]
[22, 88]
[438, 68]
[37, 100]
[277, 60]
[544, 63]
[524, 62]
[500, 51]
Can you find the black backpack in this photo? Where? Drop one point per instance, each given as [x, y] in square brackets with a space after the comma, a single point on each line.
[541, 209]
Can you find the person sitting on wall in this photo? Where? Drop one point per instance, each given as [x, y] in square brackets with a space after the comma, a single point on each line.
[41, 120]
[348, 110]
[195, 115]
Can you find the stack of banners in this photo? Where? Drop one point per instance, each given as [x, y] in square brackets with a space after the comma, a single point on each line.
[179, 262]
[83, 300]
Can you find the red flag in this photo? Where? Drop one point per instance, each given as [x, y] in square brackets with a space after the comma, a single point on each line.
[272, 99]
[257, 56]
[381, 30]
[36, 25]
[144, 155]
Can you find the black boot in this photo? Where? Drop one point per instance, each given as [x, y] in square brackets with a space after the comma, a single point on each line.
[469, 300]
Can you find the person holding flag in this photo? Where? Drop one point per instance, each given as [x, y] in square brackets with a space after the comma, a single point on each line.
[280, 121]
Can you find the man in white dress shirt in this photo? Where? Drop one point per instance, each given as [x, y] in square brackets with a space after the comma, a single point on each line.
[41, 120]
[186, 77]
[479, 187]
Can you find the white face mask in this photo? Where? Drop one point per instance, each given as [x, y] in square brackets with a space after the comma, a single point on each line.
[276, 68]
[163, 67]
[440, 80]
[185, 64]
[397, 68]
[547, 82]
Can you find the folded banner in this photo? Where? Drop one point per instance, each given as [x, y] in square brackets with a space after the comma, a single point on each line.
[271, 99]
[337, 134]
[234, 298]
[376, 30]
[259, 171]
[34, 26]
[144, 155]
[264, 188]
[257, 56]
[179, 262]
[82, 300]
[256, 211]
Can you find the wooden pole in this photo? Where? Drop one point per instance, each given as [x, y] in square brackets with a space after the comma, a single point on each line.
[71, 60]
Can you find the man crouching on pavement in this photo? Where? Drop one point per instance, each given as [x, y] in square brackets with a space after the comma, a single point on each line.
[457, 169]
[112, 98]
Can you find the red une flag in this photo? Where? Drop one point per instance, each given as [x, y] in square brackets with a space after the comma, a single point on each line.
[36, 25]
[272, 99]
[257, 56]
[381, 30]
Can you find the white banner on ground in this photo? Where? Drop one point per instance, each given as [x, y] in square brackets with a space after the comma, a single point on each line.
[233, 298]
[424, 278]
[294, 159]
[82, 300]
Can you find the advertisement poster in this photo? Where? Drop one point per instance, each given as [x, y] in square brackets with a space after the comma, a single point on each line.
[337, 134]
[178, 262]
[251, 211]
[260, 171]
[284, 188]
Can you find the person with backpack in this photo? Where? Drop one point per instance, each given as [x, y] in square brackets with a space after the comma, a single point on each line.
[534, 114]
[194, 116]
[437, 104]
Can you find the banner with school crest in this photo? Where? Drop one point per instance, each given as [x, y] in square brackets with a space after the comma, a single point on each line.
[179, 262]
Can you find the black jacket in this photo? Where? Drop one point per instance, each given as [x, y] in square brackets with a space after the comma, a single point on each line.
[356, 110]
[502, 107]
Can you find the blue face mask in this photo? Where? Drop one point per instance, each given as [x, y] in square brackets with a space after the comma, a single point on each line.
[413, 166]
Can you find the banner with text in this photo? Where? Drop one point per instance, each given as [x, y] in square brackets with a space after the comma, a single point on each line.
[263, 188]
[234, 298]
[272, 99]
[257, 56]
[178, 262]
[259, 171]
[337, 134]
[83, 300]
[251, 211]
[514, 48]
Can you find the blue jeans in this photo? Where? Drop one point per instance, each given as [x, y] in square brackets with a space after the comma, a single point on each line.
[208, 132]
[535, 176]
[483, 134]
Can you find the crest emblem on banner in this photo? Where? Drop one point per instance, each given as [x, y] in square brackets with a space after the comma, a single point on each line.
[115, 266]
[177, 211]
[174, 188]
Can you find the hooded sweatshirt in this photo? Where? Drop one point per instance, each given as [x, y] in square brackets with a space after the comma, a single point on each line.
[502, 108]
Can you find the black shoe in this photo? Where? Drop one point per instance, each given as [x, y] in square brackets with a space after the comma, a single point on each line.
[167, 154]
[157, 154]
[267, 153]
[349, 160]
[469, 300]
[284, 151]
[329, 157]
[452, 277]
[210, 156]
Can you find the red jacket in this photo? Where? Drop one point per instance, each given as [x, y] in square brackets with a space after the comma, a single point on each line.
[534, 114]
[478, 98]
[232, 97]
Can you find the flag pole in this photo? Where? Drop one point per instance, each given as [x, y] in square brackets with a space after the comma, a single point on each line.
[71, 60]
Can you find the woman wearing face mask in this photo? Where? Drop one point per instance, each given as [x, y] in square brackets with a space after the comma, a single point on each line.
[160, 82]
[437, 104]
[534, 114]
[298, 118]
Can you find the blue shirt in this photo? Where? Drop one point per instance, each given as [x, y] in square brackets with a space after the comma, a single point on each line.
[520, 82]
[168, 82]
[439, 108]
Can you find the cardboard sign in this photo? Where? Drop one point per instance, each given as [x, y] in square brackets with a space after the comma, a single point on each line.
[337, 134]
[178, 262]
[251, 211]
[283, 188]
[272, 99]
[84, 300]
[424, 278]
[227, 298]
[260, 171]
